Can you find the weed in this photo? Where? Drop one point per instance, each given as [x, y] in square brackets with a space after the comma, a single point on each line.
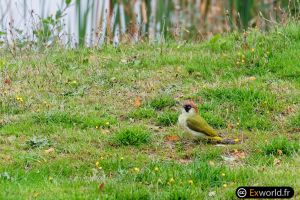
[36, 142]
[162, 102]
[142, 113]
[132, 136]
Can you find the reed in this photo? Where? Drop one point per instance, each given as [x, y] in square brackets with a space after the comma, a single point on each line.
[114, 21]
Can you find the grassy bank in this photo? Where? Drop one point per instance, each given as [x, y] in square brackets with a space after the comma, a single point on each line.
[101, 124]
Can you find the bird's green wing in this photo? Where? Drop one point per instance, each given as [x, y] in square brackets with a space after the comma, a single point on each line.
[197, 123]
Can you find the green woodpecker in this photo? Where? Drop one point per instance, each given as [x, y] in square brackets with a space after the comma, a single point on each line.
[194, 124]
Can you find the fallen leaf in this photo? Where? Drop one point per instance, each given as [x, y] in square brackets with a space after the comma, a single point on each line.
[49, 150]
[7, 81]
[171, 138]
[240, 154]
[101, 187]
[230, 126]
[138, 102]
[276, 161]
[251, 78]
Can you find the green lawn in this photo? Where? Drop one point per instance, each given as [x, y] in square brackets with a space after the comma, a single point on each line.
[101, 124]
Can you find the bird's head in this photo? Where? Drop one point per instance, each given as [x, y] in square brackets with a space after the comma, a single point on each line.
[189, 107]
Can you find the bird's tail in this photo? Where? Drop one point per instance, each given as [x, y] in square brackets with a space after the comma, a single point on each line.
[224, 140]
[229, 141]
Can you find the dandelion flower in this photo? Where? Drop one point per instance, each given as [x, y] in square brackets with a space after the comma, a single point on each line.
[107, 123]
[97, 164]
[252, 50]
[191, 182]
[156, 169]
[136, 169]
[50, 178]
[97, 127]
[223, 174]
[122, 158]
[225, 185]
[243, 61]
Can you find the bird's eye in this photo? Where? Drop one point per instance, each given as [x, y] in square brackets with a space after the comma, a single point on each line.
[187, 108]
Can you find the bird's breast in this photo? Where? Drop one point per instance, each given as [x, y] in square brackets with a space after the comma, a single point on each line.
[182, 122]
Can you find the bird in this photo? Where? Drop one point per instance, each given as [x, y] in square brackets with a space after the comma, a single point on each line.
[193, 123]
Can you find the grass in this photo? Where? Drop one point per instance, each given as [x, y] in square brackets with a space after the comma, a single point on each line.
[132, 136]
[167, 119]
[70, 127]
[280, 145]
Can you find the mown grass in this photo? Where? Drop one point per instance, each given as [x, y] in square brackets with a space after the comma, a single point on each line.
[70, 127]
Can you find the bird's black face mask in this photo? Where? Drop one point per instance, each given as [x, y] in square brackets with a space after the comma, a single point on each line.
[187, 108]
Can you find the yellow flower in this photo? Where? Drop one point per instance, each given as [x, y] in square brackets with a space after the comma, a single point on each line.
[243, 61]
[223, 174]
[107, 123]
[97, 164]
[252, 50]
[225, 185]
[171, 180]
[122, 158]
[237, 62]
[136, 169]
[156, 169]
[97, 127]
[74, 82]
[191, 182]
[50, 178]
[236, 140]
